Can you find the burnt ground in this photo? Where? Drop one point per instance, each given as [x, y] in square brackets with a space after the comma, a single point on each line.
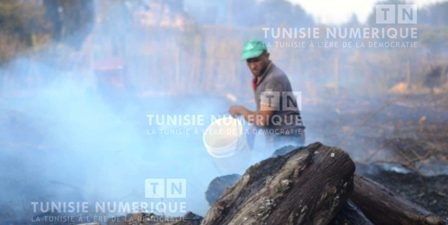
[398, 141]
[431, 192]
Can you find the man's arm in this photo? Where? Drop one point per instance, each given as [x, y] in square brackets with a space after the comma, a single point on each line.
[258, 118]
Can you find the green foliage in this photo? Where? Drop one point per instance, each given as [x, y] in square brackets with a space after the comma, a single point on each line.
[19, 21]
[71, 20]
[24, 25]
[434, 38]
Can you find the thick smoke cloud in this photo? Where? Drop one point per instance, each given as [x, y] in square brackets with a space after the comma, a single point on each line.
[79, 119]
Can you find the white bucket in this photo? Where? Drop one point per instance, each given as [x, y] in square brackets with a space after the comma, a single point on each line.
[226, 142]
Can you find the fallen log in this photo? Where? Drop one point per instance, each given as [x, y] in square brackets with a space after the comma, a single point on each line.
[306, 186]
[350, 214]
[384, 207]
[218, 185]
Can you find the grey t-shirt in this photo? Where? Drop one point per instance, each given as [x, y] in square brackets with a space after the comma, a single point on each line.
[274, 91]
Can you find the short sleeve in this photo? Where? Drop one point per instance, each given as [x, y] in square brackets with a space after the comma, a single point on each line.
[271, 95]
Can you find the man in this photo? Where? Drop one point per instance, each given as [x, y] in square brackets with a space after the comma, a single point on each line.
[277, 114]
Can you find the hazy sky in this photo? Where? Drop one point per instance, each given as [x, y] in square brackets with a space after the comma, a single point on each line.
[327, 11]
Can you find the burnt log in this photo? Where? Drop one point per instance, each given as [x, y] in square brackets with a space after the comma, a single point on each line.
[219, 185]
[384, 207]
[350, 214]
[308, 185]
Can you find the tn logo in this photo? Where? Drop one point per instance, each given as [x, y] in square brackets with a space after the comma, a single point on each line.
[281, 100]
[165, 188]
[396, 14]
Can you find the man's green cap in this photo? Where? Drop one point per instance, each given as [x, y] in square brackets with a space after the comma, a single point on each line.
[253, 49]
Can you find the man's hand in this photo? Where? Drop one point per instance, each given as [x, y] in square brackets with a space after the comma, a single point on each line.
[237, 110]
[259, 119]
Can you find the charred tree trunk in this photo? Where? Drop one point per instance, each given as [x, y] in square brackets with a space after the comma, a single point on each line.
[384, 207]
[306, 186]
[309, 185]
[350, 214]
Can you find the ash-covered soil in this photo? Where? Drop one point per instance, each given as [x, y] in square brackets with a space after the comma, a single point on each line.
[431, 192]
[398, 141]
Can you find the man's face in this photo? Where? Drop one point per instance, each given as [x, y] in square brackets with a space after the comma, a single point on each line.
[258, 64]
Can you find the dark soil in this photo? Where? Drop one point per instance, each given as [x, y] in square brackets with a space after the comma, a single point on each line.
[398, 141]
[430, 192]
